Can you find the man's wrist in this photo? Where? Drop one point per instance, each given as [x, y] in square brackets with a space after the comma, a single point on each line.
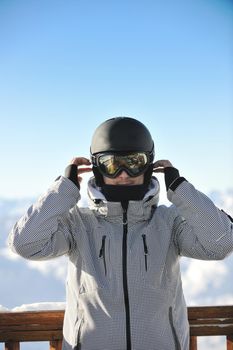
[71, 172]
[172, 178]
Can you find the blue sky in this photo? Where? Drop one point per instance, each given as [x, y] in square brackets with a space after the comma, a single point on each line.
[66, 66]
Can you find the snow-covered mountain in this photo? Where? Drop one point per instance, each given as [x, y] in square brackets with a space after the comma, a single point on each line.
[26, 282]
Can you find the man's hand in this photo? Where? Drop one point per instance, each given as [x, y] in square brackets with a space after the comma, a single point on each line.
[160, 165]
[172, 175]
[81, 163]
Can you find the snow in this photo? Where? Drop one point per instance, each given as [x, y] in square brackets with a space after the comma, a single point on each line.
[40, 306]
[3, 309]
[43, 306]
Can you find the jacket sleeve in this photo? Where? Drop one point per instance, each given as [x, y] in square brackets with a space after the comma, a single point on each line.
[201, 230]
[46, 230]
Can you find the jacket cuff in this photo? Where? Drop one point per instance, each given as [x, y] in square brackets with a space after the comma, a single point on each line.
[71, 172]
[171, 174]
[172, 178]
[173, 186]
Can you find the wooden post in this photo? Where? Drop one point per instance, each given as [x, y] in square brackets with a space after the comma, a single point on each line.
[55, 345]
[13, 345]
[229, 342]
[193, 343]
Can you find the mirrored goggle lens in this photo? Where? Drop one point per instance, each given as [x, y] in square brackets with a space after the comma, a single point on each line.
[134, 163]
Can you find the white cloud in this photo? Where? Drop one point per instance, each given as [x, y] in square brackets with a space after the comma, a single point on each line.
[198, 276]
[224, 200]
[56, 267]
[8, 254]
[223, 299]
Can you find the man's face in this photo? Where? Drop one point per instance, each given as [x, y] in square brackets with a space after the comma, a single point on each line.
[124, 179]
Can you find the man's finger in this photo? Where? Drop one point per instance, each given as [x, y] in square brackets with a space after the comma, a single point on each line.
[158, 170]
[80, 161]
[162, 163]
[84, 170]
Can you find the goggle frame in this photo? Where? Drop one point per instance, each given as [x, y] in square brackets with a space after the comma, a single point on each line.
[96, 163]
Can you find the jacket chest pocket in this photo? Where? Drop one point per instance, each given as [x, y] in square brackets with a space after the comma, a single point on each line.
[104, 255]
[96, 269]
[144, 254]
[152, 262]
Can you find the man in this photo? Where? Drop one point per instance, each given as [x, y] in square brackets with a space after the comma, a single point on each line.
[124, 289]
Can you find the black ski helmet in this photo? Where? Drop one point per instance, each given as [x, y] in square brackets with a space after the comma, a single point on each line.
[122, 134]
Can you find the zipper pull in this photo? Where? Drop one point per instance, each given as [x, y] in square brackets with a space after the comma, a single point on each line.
[145, 250]
[124, 205]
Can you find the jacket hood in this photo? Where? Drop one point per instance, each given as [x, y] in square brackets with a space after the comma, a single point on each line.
[137, 210]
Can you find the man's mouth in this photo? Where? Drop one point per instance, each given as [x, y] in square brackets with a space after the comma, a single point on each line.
[126, 183]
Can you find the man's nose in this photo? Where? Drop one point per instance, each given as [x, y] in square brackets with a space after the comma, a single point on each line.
[123, 174]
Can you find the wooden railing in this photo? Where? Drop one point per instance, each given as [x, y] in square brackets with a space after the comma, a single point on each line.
[211, 321]
[30, 326]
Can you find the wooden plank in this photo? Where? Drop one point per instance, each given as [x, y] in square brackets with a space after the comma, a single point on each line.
[214, 321]
[55, 345]
[230, 342]
[205, 312]
[193, 343]
[211, 330]
[31, 336]
[12, 346]
[31, 327]
[32, 317]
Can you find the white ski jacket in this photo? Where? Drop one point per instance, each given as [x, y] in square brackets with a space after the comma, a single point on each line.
[124, 289]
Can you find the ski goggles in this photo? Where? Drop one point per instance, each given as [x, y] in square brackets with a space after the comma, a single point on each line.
[111, 164]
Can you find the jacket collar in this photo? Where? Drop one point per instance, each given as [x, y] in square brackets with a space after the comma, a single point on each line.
[112, 211]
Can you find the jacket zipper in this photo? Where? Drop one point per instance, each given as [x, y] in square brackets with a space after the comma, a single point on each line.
[176, 340]
[102, 253]
[145, 250]
[124, 273]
